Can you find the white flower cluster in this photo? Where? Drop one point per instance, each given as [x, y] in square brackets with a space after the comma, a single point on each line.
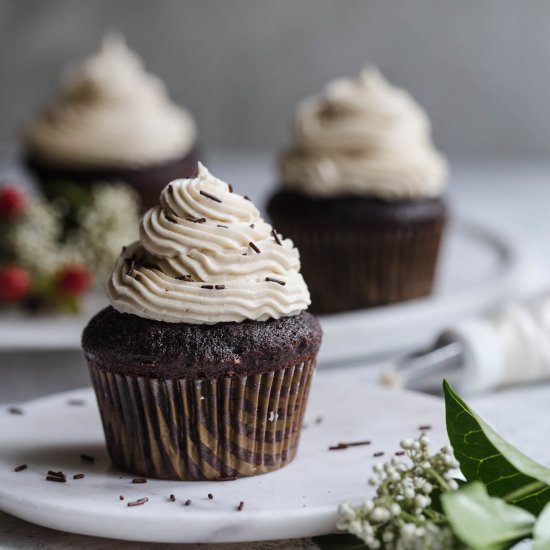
[108, 224]
[401, 515]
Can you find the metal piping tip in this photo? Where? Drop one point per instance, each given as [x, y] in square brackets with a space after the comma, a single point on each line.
[419, 368]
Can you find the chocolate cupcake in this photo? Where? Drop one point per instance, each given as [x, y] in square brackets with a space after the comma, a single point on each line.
[362, 195]
[203, 362]
[111, 122]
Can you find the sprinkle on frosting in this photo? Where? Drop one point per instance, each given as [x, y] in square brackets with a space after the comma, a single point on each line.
[363, 137]
[111, 112]
[198, 273]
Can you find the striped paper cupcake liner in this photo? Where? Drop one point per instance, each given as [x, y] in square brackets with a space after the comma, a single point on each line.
[349, 268]
[203, 429]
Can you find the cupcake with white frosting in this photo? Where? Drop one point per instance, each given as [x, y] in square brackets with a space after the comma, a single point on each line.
[111, 121]
[361, 195]
[203, 361]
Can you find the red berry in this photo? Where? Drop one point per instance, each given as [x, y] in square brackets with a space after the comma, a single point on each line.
[15, 283]
[74, 280]
[12, 202]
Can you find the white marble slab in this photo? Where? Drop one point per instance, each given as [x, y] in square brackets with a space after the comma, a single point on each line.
[300, 500]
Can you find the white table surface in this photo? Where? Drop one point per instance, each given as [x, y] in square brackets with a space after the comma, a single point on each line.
[510, 196]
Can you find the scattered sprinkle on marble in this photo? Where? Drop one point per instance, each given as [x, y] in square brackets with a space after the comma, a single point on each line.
[87, 458]
[425, 427]
[241, 506]
[20, 468]
[378, 453]
[16, 410]
[78, 476]
[76, 402]
[172, 498]
[318, 420]
[210, 496]
[57, 474]
[188, 502]
[346, 445]
[399, 453]
[121, 497]
[139, 480]
[138, 502]
[58, 479]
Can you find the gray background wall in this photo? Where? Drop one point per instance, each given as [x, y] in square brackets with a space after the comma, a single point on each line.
[481, 68]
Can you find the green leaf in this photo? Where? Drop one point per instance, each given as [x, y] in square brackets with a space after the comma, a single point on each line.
[541, 533]
[485, 456]
[483, 522]
[339, 542]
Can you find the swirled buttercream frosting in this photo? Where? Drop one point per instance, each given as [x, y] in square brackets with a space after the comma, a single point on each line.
[206, 256]
[363, 137]
[110, 112]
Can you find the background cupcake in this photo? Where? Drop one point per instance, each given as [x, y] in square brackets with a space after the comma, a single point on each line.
[361, 195]
[203, 363]
[111, 121]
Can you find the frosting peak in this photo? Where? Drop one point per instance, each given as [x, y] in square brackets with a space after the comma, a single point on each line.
[206, 256]
[363, 136]
[111, 112]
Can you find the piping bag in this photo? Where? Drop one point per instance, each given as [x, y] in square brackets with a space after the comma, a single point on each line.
[481, 354]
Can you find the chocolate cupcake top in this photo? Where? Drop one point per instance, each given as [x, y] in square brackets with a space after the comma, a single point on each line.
[363, 137]
[110, 112]
[206, 256]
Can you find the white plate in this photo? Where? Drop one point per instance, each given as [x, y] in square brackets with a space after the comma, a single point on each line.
[478, 270]
[298, 501]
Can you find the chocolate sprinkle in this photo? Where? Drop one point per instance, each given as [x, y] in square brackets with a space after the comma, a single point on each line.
[196, 220]
[120, 497]
[170, 189]
[209, 196]
[172, 498]
[56, 474]
[139, 480]
[219, 287]
[252, 226]
[188, 502]
[20, 468]
[76, 402]
[210, 496]
[341, 446]
[78, 476]
[273, 280]
[138, 502]
[246, 197]
[276, 237]
[186, 278]
[425, 427]
[56, 478]
[241, 506]
[15, 410]
[137, 277]
[254, 247]
[379, 453]
[224, 226]
[208, 287]
[230, 187]
[399, 453]
[318, 420]
[87, 458]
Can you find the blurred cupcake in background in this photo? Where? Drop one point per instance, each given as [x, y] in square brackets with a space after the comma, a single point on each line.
[361, 195]
[112, 121]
